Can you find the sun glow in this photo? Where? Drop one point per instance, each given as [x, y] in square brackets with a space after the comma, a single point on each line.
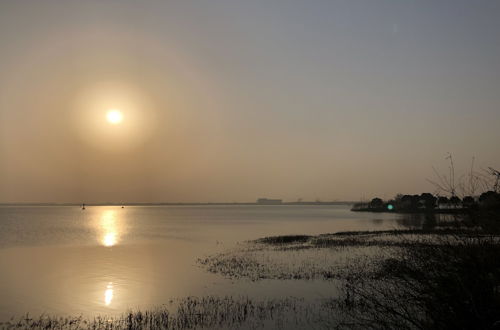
[114, 116]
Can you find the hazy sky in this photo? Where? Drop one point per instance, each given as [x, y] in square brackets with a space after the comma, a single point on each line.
[227, 100]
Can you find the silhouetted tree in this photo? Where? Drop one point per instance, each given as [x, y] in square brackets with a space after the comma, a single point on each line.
[405, 202]
[398, 197]
[455, 200]
[443, 200]
[429, 200]
[468, 201]
[489, 200]
[409, 202]
[445, 182]
[376, 203]
[468, 184]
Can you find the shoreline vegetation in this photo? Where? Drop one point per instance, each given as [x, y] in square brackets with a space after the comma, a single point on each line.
[429, 203]
[444, 274]
[442, 277]
[209, 312]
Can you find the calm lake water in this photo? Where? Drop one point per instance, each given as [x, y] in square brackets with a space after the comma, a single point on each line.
[107, 260]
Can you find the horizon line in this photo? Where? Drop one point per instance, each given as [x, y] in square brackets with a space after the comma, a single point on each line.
[173, 203]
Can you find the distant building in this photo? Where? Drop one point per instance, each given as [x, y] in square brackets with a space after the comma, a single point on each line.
[267, 201]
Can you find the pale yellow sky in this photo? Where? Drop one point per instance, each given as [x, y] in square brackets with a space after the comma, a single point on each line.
[235, 100]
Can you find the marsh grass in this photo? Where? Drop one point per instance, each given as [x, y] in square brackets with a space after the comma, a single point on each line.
[285, 263]
[195, 313]
[453, 282]
[444, 278]
[286, 239]
[326, 256]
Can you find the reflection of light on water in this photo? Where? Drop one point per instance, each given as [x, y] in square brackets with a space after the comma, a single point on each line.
[109, 239]
[108, 294]
[110, 228]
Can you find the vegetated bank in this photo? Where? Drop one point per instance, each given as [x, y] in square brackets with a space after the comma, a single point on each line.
[444, 276]
[429, 203]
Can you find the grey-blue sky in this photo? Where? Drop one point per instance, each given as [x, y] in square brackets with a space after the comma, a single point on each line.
[311, 99]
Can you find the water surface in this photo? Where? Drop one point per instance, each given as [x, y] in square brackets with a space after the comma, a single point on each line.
[108, 259]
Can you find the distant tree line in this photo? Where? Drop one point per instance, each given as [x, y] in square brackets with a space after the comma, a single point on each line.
[446, 197]
[429, 202]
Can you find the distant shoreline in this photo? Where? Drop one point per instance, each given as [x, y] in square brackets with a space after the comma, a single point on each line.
[419, 211]
[177, 204]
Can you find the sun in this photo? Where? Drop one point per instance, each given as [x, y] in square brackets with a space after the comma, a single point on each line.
[114, 116]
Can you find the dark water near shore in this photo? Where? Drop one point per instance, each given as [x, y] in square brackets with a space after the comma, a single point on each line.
[107, 260]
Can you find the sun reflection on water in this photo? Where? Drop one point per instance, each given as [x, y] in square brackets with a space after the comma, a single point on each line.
[108, 294]
[109, 239]
[110, 228]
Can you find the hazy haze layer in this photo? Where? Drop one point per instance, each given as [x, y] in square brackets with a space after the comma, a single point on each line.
[233, 100]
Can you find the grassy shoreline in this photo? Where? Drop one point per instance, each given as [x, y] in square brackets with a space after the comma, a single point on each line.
[442, 278]
[209, 312]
